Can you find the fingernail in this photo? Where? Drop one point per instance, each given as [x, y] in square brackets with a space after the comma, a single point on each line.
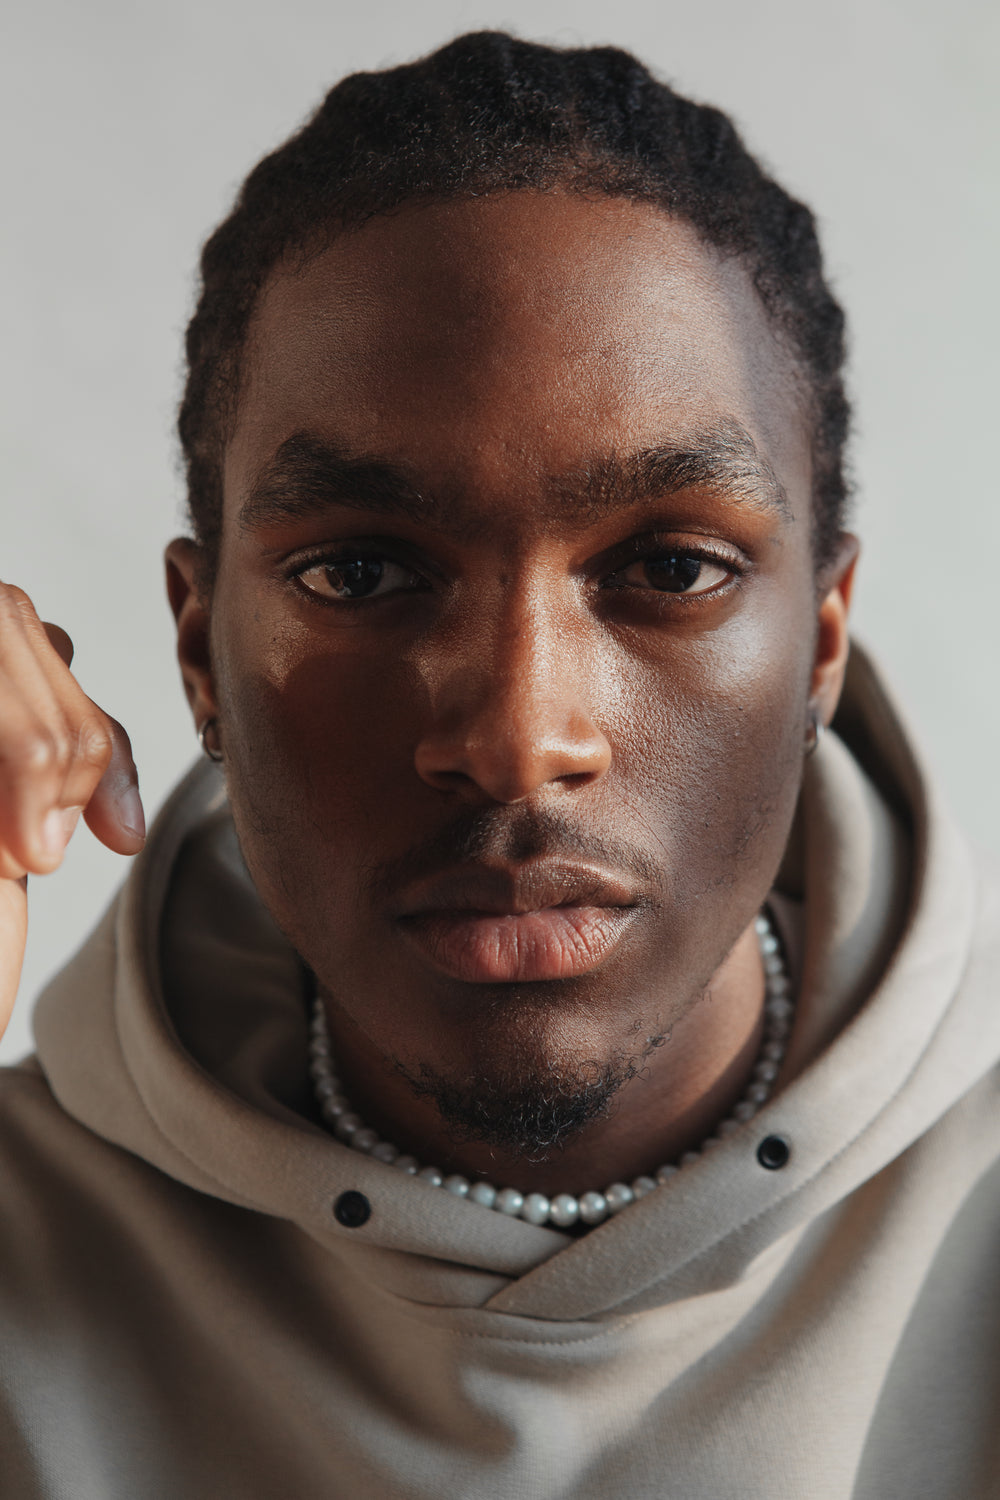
[130, 813]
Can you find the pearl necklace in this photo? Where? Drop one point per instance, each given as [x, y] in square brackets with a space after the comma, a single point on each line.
[565, 1209]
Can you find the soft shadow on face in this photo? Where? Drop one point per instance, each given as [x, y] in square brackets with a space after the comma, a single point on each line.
[529, 706]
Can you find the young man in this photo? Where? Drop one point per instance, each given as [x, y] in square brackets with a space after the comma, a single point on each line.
[527, 1069]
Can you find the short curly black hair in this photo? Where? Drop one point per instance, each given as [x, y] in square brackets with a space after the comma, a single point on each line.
[489, 113]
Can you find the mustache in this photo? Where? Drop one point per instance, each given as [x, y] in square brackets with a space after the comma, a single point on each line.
[510, 836]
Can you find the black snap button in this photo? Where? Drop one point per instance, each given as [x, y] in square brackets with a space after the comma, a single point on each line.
[773, 1152]
[352, 1210]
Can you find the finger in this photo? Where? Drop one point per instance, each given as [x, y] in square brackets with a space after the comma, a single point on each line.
[13, 930]
[55, 743]
[18, 611]
[35, 658]
[59, 641]
[33, 767]
[12, 868]
[59, 753]
[114, 812]
[55, 746]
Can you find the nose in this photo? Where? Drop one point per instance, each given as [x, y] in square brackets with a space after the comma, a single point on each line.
[514, 714]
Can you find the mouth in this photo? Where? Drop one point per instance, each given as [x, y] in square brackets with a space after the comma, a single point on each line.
[487, 925]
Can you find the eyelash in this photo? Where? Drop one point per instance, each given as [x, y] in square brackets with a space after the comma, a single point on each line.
[329, 556]
[640, 549]
[648, 548]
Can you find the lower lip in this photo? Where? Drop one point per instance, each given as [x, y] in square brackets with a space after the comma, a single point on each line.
[555, 943]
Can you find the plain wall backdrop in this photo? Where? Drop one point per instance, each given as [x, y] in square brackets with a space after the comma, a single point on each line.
[126, 129]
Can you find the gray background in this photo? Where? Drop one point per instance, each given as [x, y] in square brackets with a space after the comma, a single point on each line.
[126, 128]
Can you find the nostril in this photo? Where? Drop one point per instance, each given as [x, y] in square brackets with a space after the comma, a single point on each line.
[509, 750]
[447, 781]
[579, 779]
[503, 784]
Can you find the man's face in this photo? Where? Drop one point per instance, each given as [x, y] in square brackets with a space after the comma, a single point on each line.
[513, 631]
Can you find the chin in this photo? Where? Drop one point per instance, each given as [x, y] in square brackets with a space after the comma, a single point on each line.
[530, 1115]
[532, 1078]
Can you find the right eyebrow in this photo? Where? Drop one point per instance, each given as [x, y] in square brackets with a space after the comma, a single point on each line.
[307, 475]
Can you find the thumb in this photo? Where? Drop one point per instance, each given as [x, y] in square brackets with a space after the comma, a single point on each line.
[114, 813]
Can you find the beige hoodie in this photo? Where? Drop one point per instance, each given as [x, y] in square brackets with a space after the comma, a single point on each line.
[182, 1318]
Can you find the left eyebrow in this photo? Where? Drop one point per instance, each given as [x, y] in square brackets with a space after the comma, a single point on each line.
[724, 458]
[307, 475]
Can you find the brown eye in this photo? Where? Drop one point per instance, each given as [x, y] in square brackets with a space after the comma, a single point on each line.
[674, 573]
[356, 577]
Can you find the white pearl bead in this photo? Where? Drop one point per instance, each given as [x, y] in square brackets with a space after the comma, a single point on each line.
[593, 1207]
[456, 1184]
[643, 1185]
[325, 1088]
[758, 1092]
[431, 1175]
[510, 1201]
[728, 1127]
[689, 1158]
[347, 1125]
[535, 1208]
[779, 1008]
[768, 942]
[778, 985]
[709, 1142]
[385, 1151]
[773, 1051]
[318, 1069]
[766, 1070]
[664, 1173]
[744, 1111]
[618, 1196]
[407, 1164]
[484, 1193]
[334, 1108]
[564, 1210]
[364, 1139]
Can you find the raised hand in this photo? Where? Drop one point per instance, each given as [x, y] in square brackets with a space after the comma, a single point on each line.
[60, 756]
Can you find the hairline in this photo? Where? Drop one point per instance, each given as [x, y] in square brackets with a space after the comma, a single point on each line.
[299, 252]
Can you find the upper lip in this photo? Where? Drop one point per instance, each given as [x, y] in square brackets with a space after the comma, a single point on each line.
[512, 890]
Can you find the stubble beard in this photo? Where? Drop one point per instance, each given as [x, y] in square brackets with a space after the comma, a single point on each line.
[534, 1105]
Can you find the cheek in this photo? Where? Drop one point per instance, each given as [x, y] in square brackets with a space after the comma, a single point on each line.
[319, 763]
[710, 744]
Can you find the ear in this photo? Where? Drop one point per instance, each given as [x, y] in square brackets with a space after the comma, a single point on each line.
[832, 638]
[190, 604]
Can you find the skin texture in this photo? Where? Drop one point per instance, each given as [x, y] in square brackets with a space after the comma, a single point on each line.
[517, 702]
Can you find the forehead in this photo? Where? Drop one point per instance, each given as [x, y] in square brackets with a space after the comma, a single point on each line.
[489, 340]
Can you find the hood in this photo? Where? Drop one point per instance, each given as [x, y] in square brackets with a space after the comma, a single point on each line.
[179, 1033]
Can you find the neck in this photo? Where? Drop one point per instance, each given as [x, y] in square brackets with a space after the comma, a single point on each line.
[687, 1087]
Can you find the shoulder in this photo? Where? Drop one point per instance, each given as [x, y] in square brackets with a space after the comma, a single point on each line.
[72, 1202]
[54, 1171]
